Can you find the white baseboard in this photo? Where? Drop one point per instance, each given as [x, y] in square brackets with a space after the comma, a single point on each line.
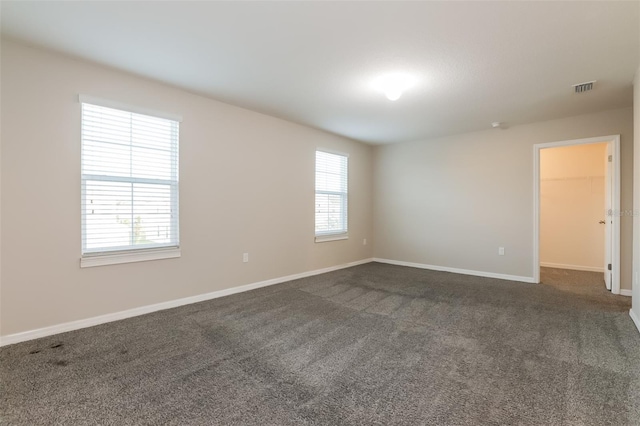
[457, 270]
[625, 292]
[635, 318]
[572, 267]
[90, 322]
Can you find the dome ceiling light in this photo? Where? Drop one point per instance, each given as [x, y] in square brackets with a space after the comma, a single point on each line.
[394, 84]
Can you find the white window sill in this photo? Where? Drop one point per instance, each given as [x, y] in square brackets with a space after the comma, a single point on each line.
[331, 237]
[89, 261]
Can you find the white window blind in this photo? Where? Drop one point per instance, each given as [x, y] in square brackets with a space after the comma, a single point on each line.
[129, 181]
[331, 194]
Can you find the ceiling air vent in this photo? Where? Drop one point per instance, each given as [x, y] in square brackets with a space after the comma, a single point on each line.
[583, 87]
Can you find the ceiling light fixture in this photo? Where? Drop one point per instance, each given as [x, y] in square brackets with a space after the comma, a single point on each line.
[393, 85]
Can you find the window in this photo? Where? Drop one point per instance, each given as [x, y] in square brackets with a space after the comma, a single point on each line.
[331, 196]
[129, 185]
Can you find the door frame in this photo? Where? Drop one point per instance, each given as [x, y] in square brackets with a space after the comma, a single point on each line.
[614, 141]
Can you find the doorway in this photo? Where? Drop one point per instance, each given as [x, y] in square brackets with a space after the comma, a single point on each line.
[608, 184]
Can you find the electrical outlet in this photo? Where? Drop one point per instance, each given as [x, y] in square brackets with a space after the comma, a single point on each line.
[364, 242]
[245, 257]
[501, 251]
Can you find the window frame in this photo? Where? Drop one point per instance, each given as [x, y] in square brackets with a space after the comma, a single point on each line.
[343, 234]
[129, 254]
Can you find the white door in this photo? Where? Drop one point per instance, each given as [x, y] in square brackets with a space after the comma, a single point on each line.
[608, 219]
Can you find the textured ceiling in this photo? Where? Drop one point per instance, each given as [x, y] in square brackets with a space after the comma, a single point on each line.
[313, 62]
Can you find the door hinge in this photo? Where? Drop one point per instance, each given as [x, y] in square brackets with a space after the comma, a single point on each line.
[610, 158]
[609, 266]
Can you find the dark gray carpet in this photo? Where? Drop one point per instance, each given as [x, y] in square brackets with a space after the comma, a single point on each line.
[370, 345]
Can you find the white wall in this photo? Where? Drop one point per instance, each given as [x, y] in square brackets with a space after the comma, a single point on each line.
[572, 202]
[452, 201]
[246, 185]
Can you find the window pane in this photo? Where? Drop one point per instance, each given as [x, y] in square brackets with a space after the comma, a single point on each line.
[152, 132]
[108, 214]
[152, 213]
[329, 213]
[329, 181]
[151, 163]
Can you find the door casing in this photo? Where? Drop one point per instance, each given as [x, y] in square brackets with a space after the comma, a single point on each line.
[614, 147]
